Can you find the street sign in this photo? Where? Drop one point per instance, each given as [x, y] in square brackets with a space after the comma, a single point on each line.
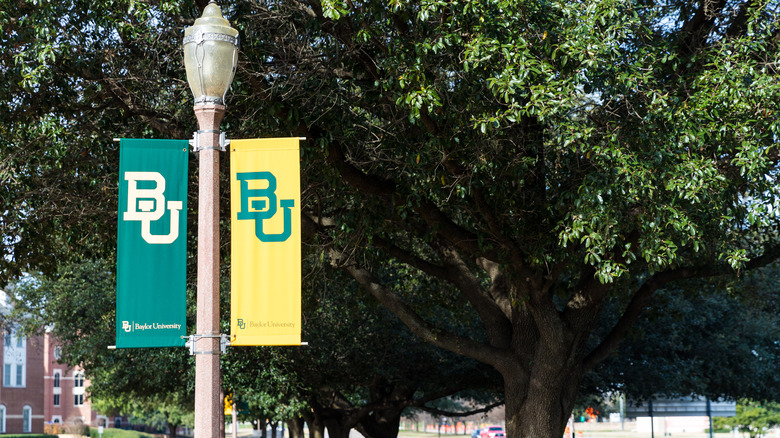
[683, 407]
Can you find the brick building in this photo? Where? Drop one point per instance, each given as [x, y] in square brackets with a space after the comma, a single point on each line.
[64, 397]
[36, 389]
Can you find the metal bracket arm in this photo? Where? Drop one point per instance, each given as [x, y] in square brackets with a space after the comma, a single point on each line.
[224, 342]
[224, 142]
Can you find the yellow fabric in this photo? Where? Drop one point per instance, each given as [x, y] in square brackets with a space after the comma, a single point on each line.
[265, 222]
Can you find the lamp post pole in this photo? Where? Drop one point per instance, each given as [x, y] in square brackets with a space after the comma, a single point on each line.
[207, 341]
[210, 55]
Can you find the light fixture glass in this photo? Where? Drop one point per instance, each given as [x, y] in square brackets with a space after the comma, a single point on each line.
[210, 56]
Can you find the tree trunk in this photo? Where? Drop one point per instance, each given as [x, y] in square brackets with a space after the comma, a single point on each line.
[295, 426]
[172, 430]
[539, 401]
[316, 426]
[541, 414]
[263, 426]
[336, 429]
[381, 424]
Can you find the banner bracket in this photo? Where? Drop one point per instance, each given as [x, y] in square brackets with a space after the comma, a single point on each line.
[224, 343]
[224, 142]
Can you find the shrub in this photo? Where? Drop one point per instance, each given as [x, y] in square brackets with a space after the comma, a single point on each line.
[77, 429]
[53, 429]
[30, 435]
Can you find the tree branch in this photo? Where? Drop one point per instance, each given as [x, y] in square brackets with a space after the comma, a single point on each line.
[737, 26]
[697, 29]
[494, 311]
[355, 177]
[645, 292]
[420, 327]
[410, 259]
[428, 211]
[435, 411]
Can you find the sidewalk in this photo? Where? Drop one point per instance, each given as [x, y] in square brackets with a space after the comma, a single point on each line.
[586, 434]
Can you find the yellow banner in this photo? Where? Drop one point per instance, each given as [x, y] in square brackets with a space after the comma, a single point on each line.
[265, 221]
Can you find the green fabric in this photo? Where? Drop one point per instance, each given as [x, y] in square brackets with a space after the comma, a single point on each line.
[151, 243]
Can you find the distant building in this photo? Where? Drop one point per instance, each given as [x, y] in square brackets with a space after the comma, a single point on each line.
[64, 398]
[36, 389]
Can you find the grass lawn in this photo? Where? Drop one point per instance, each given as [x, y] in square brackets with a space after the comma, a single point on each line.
[110, 432]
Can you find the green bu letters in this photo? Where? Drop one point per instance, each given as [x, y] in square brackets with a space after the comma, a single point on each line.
[151, 243]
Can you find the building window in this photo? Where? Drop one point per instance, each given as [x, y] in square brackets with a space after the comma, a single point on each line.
[27, 419]
[78, 380]
[78, 399]
[14, 360]
[2, 419]
[57, 379]
[56, 399]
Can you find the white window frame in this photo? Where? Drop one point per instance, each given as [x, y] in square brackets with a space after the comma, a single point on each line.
[2, 418]
[14, 360]
[27, 419]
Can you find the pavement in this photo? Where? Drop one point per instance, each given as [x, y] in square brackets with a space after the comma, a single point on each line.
[244, 433]
[595, 434]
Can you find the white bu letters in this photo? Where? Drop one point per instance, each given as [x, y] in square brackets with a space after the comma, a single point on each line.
[148, 205]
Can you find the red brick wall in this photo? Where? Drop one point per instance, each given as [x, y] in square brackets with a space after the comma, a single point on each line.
[30, 394]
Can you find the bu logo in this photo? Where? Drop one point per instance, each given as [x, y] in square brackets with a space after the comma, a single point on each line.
[264, 208]
[148, 205]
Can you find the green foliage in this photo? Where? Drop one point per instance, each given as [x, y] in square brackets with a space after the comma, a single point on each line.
[357, 353]
[754, 418]
[77, 306]
[158, 410]
[531, 164]
[713, 338]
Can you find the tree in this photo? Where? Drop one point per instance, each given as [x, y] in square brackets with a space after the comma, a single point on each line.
[77, 306]
[753, 417]
[542, 160]
[532, 161]
[161, 412]
[361, 369]
[714, 338]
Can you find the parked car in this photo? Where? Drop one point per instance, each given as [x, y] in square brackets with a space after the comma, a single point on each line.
[492, 432]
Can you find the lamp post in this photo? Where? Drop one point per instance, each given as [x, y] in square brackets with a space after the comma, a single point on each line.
[210, 55]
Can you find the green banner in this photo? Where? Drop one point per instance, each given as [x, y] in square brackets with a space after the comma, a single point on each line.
[151, 243]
